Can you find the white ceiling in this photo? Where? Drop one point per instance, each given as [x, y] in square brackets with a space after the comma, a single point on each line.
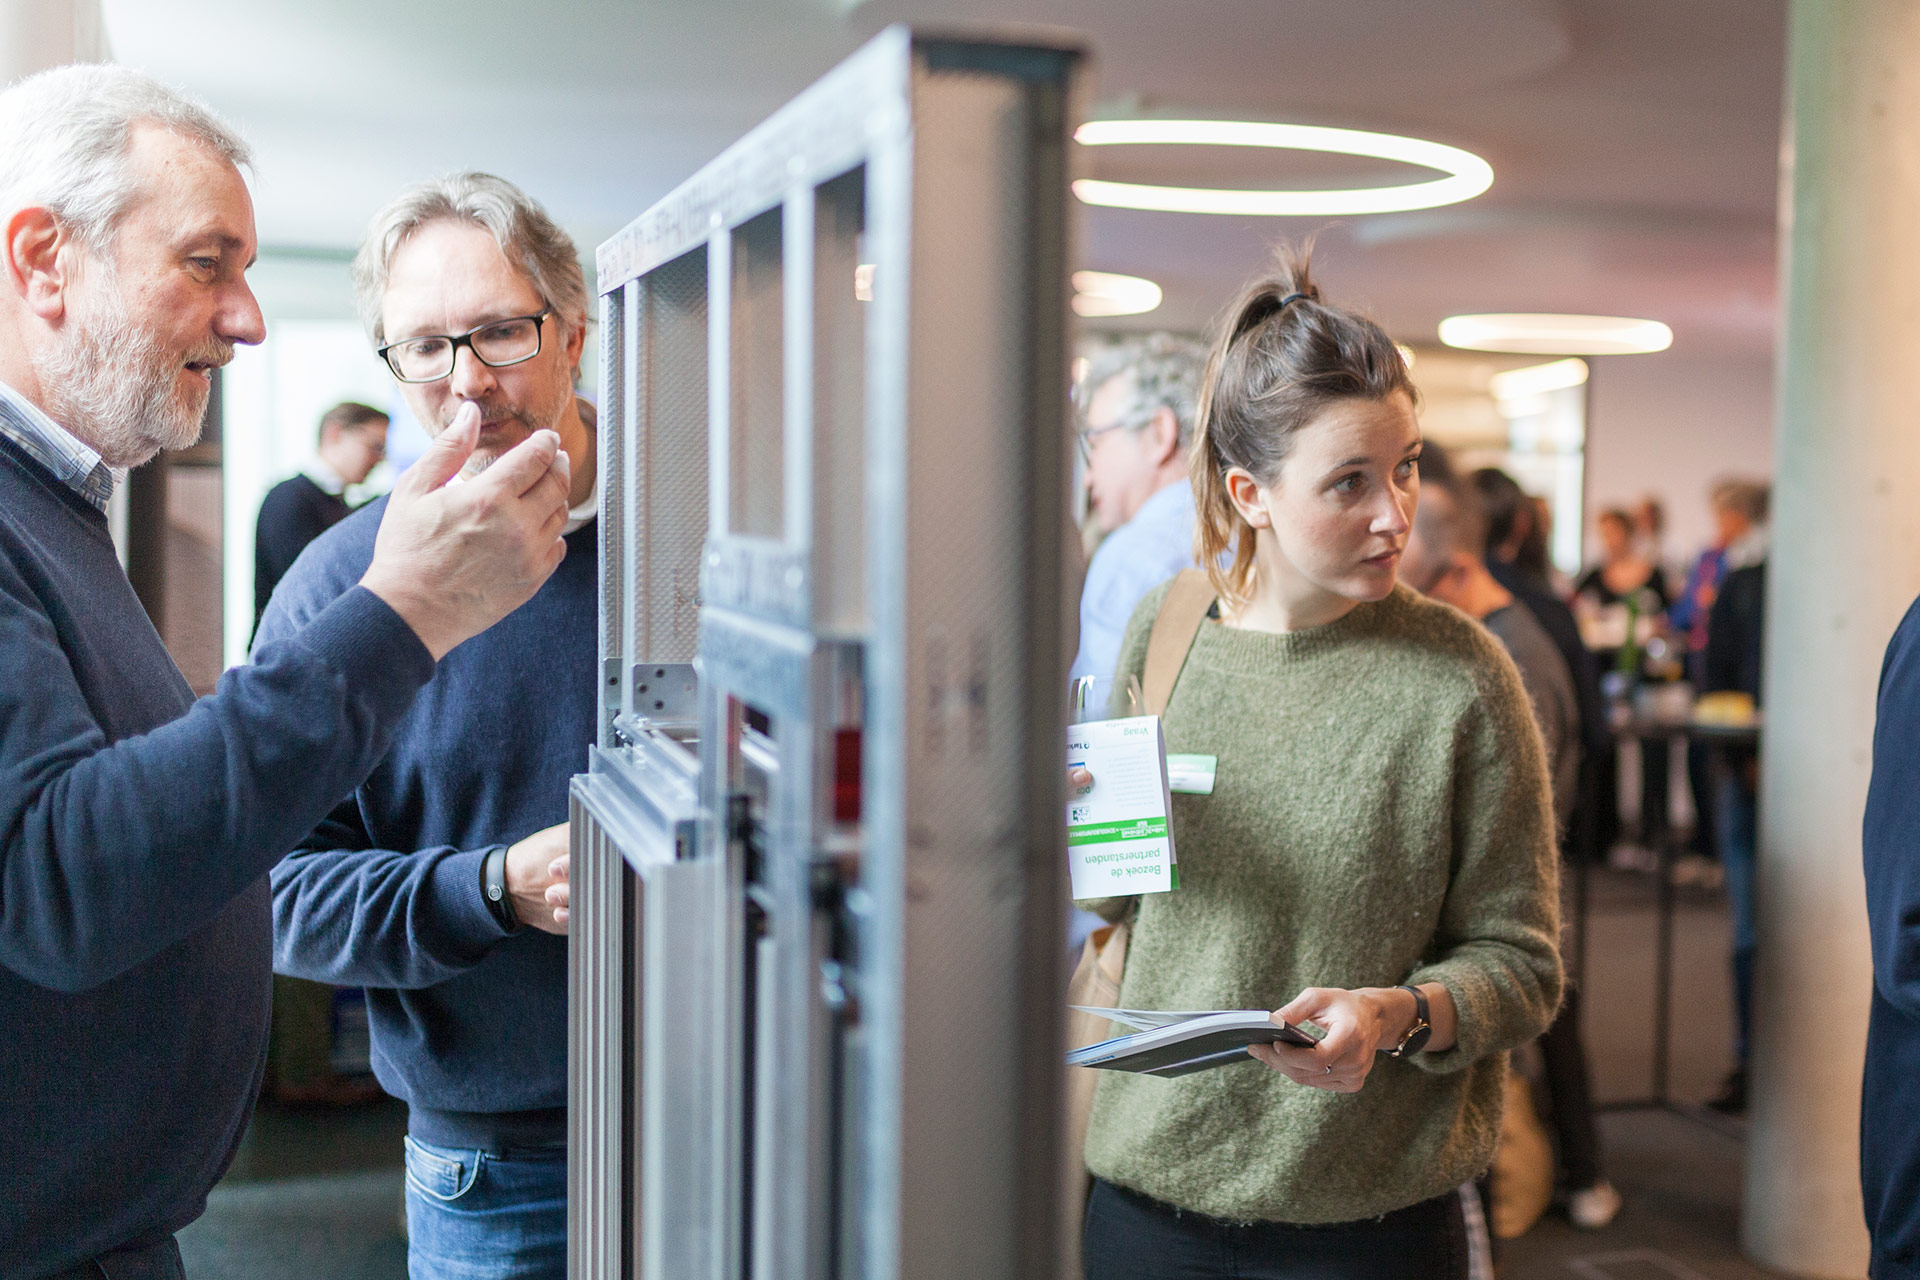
[1634, 142]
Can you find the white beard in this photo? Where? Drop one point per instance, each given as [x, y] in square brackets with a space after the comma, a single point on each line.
[108, 381]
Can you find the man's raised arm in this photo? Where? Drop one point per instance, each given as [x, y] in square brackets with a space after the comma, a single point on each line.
[115, 850]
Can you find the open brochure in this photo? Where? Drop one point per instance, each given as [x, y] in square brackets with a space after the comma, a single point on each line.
[1179, 1042]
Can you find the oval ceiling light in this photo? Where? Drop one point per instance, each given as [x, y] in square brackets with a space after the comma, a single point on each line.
[1467, 174]
[1556, 335]
[1538, 379]
[1102, 293]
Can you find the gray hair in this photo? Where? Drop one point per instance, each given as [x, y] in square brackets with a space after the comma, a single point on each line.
[530, 239]
[64, 139]
[1748, 498]
[1166, 370]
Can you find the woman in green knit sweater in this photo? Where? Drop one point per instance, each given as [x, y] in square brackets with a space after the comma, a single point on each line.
[1376, 856]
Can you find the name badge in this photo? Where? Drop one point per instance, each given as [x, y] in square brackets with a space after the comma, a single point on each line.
[1191, 775]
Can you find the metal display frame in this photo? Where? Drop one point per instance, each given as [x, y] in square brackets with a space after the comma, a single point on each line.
[817, 955]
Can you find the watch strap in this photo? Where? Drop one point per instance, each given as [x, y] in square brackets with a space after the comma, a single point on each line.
[493, 888]
[1422, 1029]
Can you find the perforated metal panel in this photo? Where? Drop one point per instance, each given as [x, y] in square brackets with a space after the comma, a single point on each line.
[842, 355]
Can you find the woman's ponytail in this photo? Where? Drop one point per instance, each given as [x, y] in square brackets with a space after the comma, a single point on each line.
[1217, 525]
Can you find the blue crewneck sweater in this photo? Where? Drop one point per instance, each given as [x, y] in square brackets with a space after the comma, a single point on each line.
[1890, 1106]
[136, 829]
[469, 1023]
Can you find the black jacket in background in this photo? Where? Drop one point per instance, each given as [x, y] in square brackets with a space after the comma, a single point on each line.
[1552, 613]
[294, 513]
[1732, 660]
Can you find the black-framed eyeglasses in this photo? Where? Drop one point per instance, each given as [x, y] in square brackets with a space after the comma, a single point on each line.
[496, 343]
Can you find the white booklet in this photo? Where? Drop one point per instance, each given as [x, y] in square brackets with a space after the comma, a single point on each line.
[1118, 838]
[1179, 1042]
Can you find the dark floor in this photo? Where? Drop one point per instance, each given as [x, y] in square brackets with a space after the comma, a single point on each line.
[320, 1195]
[311, 1194]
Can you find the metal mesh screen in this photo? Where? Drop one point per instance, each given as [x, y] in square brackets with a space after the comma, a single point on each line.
[614, 432]
[843, 284]
[670, 460]
[756, 458]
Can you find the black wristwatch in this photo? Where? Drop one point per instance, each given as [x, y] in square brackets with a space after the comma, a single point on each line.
[493, 887]
[1420, 1032]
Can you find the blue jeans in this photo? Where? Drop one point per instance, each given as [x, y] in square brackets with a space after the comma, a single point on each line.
[484, 1215]
[1739, 819]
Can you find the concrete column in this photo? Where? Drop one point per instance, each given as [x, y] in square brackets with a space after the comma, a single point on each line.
[1845, 565]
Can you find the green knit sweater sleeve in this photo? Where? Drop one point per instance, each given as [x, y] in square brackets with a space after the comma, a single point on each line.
[1129, 669]
[1496, 948]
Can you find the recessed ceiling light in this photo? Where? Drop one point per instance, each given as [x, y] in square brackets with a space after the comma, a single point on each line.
[1467, 174]
[1556, 335]
[1102, 293]
[1537, 379]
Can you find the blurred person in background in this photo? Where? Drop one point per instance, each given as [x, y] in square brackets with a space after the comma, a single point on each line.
[1625, 571]
[1731, 663]
[1141, 395]
[1650, 528]
[352, 441]
[1516, 557]
[1739, 506]
[1622, 602]
[1446, 559]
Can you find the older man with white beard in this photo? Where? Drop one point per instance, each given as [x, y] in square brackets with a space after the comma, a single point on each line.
[136, 825]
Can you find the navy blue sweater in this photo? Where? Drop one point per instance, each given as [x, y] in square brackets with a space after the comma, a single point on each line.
[1890, 1103]
[136, 830]
[469, 1023]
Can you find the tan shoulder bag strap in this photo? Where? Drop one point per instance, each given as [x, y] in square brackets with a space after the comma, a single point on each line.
[1174, 628]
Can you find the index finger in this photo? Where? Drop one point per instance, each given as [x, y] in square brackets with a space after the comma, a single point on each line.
[524, 466]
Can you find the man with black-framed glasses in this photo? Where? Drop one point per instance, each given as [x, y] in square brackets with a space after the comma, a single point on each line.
[440, 886]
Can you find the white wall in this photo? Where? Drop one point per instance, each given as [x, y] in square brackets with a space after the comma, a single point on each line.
[1671, 424]
[274, 396]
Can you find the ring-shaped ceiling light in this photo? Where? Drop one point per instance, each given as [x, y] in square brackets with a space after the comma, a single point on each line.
[1103, 293]
[1467, 174]
[1556, 335]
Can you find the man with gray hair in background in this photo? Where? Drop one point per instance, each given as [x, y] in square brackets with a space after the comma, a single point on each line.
[1141, 395]
[440, 886]
[137, 825]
